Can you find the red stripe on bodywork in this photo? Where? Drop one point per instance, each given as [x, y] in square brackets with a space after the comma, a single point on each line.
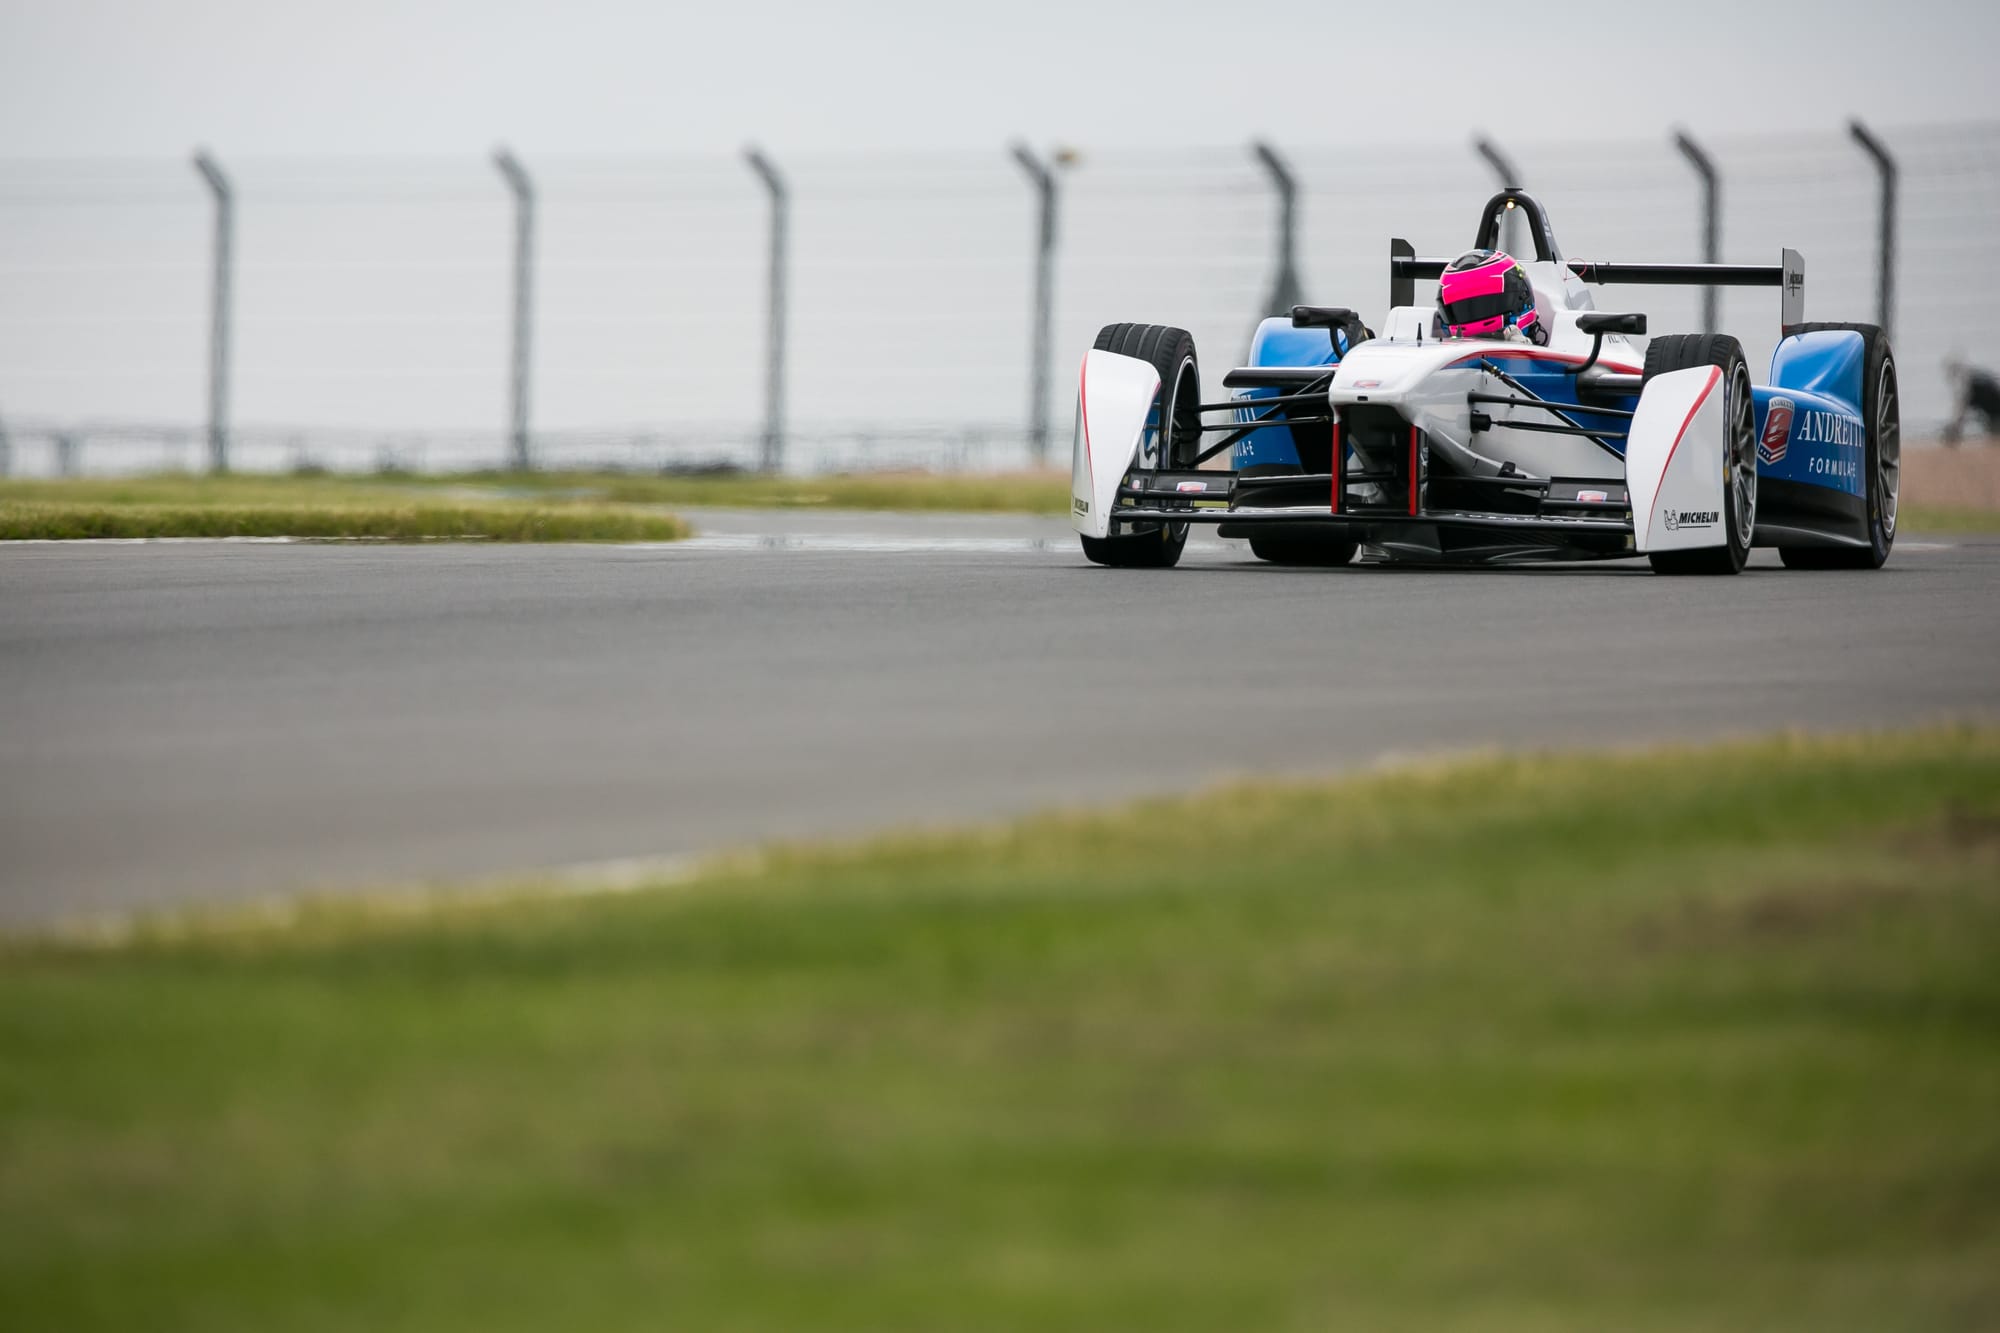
[1537, 354]
[1413, 471]
[1339, 467]
[1083, 411]
[1706, 389]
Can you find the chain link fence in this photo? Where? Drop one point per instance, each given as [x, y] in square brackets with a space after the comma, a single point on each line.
[373, 299]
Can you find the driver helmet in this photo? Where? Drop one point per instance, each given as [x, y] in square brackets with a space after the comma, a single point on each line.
[1484, 293]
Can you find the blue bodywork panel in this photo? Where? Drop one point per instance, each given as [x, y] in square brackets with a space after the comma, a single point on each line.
[1809, 424]
[1555, 383]
[1828, 361]
[1277, 343]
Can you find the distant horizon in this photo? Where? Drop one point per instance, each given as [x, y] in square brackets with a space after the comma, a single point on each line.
[958, 150]
[959, 154]
[88, 79]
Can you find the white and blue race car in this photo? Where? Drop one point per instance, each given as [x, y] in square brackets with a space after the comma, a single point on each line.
[1408, 446]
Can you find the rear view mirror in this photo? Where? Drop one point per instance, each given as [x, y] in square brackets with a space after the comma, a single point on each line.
[1322, 316]
[1599, 324]
[1338, 321]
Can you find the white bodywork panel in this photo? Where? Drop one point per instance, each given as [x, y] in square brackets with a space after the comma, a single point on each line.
[1410, 323]
[1675, 459]
[1426, 378]
[1427, 382]
[1113, 401]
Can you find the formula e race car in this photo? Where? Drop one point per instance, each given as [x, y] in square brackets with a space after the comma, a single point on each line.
[1411, 446]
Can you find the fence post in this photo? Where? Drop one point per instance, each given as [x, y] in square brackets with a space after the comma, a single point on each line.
[523, 191]
[219, 309]
[1510, 179]
[1044, 179]
[773, 458]
[1285, 287]
[1711, 222]
[1885, 260]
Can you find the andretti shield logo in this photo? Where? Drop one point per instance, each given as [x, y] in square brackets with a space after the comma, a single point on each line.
[1777, 431]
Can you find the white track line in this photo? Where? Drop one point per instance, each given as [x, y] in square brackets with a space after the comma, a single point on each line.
[866, 544]
[873, 545]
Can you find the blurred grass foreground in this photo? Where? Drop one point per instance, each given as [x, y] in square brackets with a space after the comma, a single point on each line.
[1688, 1039]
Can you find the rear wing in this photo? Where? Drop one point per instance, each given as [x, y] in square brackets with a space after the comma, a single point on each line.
[1788, 275]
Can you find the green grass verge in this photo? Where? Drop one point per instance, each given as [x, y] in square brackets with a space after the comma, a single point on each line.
[523, 522]
[1046, 493]
[1031, 493]
[1934, 518]
[1706, 1039]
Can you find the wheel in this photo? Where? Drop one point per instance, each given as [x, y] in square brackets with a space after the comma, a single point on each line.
[1291, 551]
[1882, 412]
[1683, 351]
[1171, 440]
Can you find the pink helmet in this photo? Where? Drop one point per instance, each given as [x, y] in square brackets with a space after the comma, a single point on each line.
[1483, 293]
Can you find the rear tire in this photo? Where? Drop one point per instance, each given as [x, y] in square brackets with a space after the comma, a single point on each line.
[1882, 414]
[1171, 442]
[1684, 351]
[1290, 551]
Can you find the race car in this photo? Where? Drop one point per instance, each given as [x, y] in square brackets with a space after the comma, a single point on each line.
[1409, 445]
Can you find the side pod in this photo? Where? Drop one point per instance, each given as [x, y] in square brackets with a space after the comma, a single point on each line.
[1114, 401]
[1674, 462]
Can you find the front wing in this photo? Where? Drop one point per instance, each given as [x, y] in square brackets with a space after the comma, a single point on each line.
[1668, 498]
[1247, 503]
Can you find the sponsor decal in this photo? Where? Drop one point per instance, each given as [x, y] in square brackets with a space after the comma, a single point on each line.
[1676, 519]
[1846, 469]
[1777, 431]
[1079, 506]
[1368, 384]
[1843, 432]
[1192, 486]
[1592, 497]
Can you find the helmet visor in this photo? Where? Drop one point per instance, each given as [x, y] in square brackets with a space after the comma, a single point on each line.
[1477, 309]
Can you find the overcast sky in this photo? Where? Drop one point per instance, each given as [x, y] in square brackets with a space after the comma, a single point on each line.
[121, 77]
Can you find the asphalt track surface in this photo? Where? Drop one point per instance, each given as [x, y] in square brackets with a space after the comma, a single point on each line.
[204, 722]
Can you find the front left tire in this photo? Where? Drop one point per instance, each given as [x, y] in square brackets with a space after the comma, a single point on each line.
[1684, 351]
[1172, 439]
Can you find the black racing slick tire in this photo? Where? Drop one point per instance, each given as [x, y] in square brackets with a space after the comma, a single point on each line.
[1174, 445]
[1882, 412]
[1281, 551]
[1685, 351]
